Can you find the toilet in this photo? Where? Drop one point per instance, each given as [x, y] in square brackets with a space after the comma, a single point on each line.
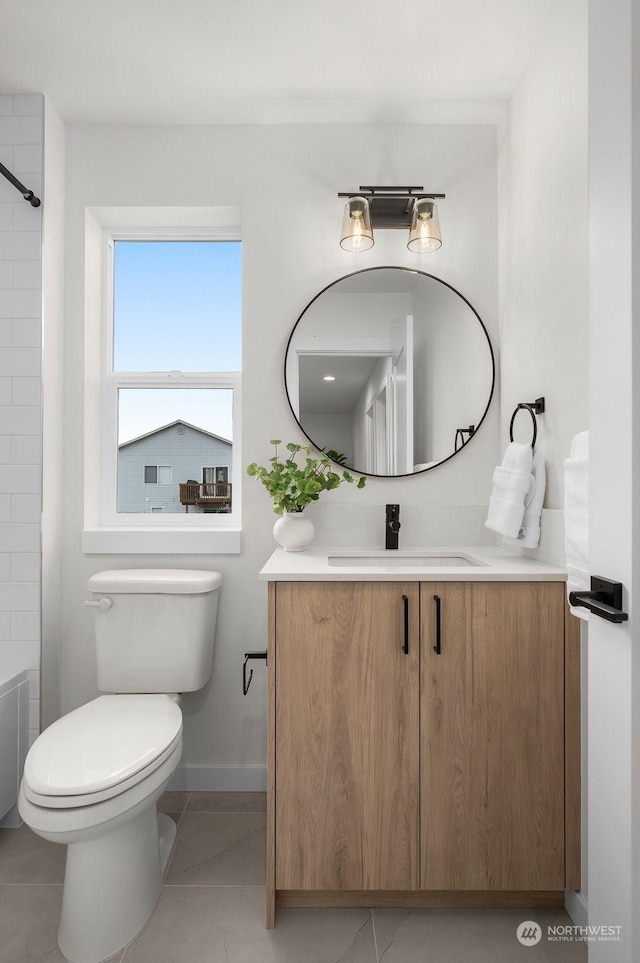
[92, 779]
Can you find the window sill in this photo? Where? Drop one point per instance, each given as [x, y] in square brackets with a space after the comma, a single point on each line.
[177, 541]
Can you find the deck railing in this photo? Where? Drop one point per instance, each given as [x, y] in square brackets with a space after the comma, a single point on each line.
[201, 494]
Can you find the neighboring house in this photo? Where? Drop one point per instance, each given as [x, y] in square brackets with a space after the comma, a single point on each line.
[154, 469]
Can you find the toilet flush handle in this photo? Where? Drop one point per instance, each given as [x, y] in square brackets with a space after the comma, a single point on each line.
[103, 604]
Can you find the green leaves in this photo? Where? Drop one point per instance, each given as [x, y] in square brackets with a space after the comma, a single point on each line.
[293, 486]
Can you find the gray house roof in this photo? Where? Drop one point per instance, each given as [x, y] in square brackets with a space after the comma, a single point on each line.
[172, 424]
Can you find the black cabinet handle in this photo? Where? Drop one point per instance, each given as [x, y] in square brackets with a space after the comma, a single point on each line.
[405, 647]
[438, 646]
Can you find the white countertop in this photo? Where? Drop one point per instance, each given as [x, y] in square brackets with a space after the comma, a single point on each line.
[324, 564]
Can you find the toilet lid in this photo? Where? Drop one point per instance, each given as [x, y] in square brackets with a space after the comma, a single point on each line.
[171, 581]
[102, 744]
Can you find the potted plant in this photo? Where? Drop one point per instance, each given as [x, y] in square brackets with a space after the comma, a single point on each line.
[294, 482]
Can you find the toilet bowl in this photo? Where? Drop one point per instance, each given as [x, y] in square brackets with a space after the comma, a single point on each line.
[92, 794]
[92, 779]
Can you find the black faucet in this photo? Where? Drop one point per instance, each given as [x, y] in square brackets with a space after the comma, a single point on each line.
[392, 526]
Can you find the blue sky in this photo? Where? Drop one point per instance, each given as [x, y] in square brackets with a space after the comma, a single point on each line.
[177, 305]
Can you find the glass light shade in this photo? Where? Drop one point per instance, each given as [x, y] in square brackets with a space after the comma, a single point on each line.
[424, 234]
[356, 234]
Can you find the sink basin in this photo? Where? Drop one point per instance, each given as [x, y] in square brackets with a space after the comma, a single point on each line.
[395, 559]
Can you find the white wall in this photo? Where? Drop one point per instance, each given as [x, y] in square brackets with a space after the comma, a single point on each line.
[269, 171]
[331, 431]
[21, 138]
[452, 366]
[338, 317]
[544, 274]
[544, 244]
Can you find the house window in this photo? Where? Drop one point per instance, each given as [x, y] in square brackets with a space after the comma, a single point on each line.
[172, 379]
[220, 474]
[157, 474]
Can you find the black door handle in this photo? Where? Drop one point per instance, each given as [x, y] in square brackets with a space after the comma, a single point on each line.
[405, 647]
[438, 646]
[604, 599]
[594, 601]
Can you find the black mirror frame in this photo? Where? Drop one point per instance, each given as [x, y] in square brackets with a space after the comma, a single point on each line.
[410, 270]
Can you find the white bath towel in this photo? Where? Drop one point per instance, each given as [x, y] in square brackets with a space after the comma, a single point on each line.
[511, 484]
[529, 533]
[576, 518]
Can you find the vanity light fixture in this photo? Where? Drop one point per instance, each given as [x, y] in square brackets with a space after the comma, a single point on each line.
[391, 208]
[356, 234]
[424, 234]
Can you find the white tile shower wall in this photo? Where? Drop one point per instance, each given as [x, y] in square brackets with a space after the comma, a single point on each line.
[21, 150]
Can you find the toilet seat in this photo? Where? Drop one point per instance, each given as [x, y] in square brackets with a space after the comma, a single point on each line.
[101, 749]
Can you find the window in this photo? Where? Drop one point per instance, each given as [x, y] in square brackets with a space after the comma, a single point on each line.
[171, 380]
[220, 474]
[157, 474]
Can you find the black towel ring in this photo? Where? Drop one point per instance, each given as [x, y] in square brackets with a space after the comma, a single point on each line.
[529, 408]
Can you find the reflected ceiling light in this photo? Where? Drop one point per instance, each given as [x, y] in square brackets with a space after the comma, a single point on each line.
[329, 378]
[391, 208]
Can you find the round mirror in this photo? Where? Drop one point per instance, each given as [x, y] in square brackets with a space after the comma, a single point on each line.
[389, 370]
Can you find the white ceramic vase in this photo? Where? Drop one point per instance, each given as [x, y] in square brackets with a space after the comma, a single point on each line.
[294, 531]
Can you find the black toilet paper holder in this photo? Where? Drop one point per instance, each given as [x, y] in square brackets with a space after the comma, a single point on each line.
[246, 682]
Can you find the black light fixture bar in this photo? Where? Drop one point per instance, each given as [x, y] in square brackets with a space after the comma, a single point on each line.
[26, 193]
[391, 207]
[364, 191]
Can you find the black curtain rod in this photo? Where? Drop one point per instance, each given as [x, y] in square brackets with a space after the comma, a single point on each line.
[27, 194]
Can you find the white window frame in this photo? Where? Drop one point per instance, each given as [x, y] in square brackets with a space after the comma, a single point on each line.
[191, 532]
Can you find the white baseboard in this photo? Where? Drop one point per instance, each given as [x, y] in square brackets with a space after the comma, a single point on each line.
[219, 779]
[576, 907]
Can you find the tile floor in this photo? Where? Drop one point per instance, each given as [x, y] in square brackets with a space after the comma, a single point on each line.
[211, 909]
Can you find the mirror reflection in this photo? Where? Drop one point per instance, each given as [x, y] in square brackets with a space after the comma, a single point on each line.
[391, 368]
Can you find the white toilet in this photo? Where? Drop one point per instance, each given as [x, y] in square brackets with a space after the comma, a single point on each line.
[91, 780]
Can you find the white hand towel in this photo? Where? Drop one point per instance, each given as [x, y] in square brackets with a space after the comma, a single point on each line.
[511, 484]
[576, 519]
[529, 533]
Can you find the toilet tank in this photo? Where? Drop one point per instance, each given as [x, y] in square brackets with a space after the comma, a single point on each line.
[154, 628]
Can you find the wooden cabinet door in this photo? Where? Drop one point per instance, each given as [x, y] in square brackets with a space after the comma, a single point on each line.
[347, 721]
[492, 737]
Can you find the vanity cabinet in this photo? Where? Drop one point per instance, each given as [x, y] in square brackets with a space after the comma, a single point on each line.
[399, 775]
[492, 736]
[346, 736]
